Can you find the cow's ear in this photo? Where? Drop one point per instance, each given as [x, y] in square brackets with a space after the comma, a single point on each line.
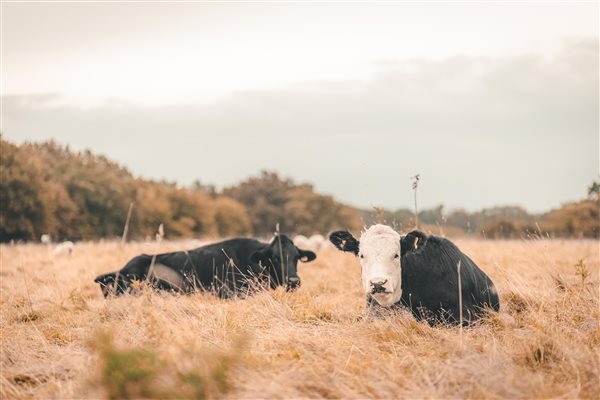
[413, 241]
[306, 255]
[106, 278]
[258, 256]
[344, 241]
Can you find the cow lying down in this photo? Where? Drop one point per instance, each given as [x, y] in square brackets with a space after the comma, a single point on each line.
[226, 268]
[419, 272]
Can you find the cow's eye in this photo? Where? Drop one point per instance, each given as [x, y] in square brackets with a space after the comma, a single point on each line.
[361, 255]
[396, 256]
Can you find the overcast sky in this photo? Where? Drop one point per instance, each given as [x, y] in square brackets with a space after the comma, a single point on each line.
[493, 103]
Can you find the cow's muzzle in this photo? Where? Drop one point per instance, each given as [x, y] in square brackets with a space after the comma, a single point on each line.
[293, 283]
[377, 287]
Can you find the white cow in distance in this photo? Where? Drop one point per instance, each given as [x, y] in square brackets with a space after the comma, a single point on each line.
[64, 248]
[315, 243]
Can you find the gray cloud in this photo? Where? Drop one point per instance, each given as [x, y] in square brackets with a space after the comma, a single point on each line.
[481, 131]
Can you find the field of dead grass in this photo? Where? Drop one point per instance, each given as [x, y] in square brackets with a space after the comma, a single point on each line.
[62, 339]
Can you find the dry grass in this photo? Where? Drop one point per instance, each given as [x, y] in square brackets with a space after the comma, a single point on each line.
[61, 339]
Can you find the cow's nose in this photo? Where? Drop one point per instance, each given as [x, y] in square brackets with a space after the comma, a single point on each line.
[377, 285]
[293, 282]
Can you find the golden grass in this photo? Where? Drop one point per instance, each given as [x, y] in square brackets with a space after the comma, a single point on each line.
[62, 339]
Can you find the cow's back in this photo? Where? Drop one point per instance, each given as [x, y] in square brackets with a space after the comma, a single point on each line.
[223, 267]
[237, 249]
[430, 282]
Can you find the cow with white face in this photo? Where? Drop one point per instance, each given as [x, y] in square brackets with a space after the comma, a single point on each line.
[419, 272]
[379, 253]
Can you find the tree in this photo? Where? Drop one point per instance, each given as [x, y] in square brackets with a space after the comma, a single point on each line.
[433, 216]
[231, 217]
[208, 189]
[46, 188]
[193, 214]
[270, 200]
[594, 189]
[264, 197]
[25, 209]
[576, 219]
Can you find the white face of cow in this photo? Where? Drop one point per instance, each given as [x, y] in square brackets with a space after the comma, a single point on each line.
[379, 255]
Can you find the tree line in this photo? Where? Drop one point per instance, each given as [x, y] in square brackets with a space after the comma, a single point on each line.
[45, 188]
[578, 219]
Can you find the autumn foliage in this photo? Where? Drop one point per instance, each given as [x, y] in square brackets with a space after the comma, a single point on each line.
[46, 188]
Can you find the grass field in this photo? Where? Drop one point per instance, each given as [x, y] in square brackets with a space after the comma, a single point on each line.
[62, 339]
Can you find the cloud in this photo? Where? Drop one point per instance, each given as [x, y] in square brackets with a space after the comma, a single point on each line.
[481, 131]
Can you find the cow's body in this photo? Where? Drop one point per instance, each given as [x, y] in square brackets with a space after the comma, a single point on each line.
[428, 278]
[226, 268]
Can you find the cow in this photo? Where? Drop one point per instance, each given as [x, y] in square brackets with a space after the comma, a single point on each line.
[419, 272]
[229, 268]
[63, 248]
[315, 243]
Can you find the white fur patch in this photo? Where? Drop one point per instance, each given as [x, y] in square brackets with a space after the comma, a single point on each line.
[166, 274]
[315, 243]
[379, 257]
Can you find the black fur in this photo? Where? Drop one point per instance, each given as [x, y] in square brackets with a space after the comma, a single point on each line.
[430, 281]
[226, 268]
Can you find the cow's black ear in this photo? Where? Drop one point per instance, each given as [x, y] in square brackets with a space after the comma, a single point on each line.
[413, 241]
[106, 278]
[306, 255]
[344, 241]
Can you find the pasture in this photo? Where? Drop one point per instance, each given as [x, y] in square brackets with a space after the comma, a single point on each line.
[62, 339]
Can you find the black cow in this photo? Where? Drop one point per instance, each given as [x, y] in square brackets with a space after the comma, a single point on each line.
[229, 268]
[419, 272]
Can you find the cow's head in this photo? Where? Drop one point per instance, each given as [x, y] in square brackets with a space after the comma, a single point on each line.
[379, 253]
[108, 284]
[281, 258]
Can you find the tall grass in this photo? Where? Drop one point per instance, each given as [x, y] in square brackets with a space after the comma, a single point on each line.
[61, 339]
[415, 187]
